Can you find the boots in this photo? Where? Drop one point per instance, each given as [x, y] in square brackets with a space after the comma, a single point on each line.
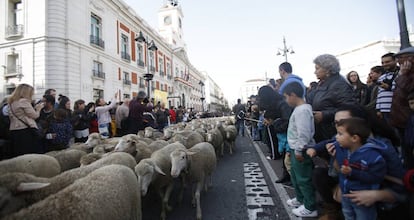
[331, 211]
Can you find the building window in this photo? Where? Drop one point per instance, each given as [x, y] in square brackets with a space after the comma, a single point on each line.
[151, 61]
[127, 80]
[96, 31]
[98, 93]
[124, 47]
[14, 28]
[97, 70]
[141, 82]
[13, 68]
[140, 52]
[168, 71]
[161, 66]
[177, 72]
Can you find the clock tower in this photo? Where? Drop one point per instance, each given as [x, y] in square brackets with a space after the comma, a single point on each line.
[170, 18]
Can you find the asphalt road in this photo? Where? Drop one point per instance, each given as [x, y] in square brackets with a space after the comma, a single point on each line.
[243, 189]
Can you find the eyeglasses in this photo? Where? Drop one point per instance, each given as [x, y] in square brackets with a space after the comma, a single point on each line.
[335, 123]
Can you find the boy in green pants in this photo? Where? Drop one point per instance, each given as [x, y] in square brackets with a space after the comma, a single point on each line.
[299, 134]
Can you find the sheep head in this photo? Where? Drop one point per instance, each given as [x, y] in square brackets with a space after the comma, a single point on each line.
[179, 161]
[145, 171]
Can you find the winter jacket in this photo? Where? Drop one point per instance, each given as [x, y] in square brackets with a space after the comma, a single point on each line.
[276, 108]
[400, 111]
[327, 98]
[382, 146]
[368, 168]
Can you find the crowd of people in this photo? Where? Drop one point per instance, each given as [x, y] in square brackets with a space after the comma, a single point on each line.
[50, 123]
[348, 141]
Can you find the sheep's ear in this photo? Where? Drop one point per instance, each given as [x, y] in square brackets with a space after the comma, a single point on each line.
[191, 153]
[158, 169]
[22, 187]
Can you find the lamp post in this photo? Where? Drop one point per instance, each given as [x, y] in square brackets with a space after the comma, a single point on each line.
[284, 52]
[152, 47]
[404, 37]
[202, 95]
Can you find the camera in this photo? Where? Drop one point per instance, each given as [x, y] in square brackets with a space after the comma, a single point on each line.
[145, 100]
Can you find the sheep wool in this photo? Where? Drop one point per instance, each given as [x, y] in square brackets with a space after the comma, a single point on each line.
[88, 198]
[37, 164]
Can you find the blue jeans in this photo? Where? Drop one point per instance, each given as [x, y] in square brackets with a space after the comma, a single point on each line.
[353, 211]
[240, 126]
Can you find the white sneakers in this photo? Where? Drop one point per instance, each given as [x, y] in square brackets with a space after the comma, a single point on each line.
[293, 202]
[300, 209]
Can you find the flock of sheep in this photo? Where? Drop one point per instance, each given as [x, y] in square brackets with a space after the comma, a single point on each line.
[105, 178]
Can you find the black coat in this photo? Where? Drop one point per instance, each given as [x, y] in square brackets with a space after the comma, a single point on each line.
[327, 98]
[275, 108]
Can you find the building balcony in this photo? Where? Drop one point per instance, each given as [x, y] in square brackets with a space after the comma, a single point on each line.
[125, 56]
[98, 74]
[97, 41]
[127, 82]
[11, 72]
[14, 31]
[141, 63]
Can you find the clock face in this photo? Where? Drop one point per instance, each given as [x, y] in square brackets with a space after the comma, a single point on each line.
[167, 20]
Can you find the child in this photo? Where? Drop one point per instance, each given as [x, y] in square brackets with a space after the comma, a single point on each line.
[361, 166]
[59, 132]
[300, 133]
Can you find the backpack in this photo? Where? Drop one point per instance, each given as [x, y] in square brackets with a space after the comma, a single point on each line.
[4, 124]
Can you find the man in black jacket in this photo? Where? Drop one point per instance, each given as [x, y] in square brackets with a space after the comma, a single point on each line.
[277, 114]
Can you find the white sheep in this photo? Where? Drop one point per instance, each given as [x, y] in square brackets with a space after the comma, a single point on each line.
[108, 144]
[156, 171]
[200, 161]
[28, 189]
[215, 138]
[133, 145]
[158, 144]
[150, 132]
[90, 158]
[231, 135]
[37, 164]
[110, 192]
[68, 158]
[81, 146]
[187, 138]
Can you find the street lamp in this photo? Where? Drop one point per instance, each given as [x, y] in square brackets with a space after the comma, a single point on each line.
[152, 47]
[404, 37]
[284, 52]
[202, 95]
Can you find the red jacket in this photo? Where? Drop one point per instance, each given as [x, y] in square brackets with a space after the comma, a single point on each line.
[173, 116]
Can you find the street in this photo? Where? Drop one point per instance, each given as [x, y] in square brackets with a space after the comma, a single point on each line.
[243, 189]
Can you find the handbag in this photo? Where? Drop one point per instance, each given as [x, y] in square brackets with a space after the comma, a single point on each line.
[36, 131]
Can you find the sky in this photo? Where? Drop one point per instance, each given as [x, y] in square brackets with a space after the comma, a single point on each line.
[234, 41]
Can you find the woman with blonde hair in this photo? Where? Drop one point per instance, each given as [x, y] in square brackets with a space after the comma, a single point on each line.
[23, 128]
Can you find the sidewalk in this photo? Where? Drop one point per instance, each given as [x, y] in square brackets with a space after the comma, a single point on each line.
[274, 169]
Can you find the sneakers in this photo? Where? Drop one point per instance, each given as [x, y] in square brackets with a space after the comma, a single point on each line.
[301, 211]
[293, 202]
